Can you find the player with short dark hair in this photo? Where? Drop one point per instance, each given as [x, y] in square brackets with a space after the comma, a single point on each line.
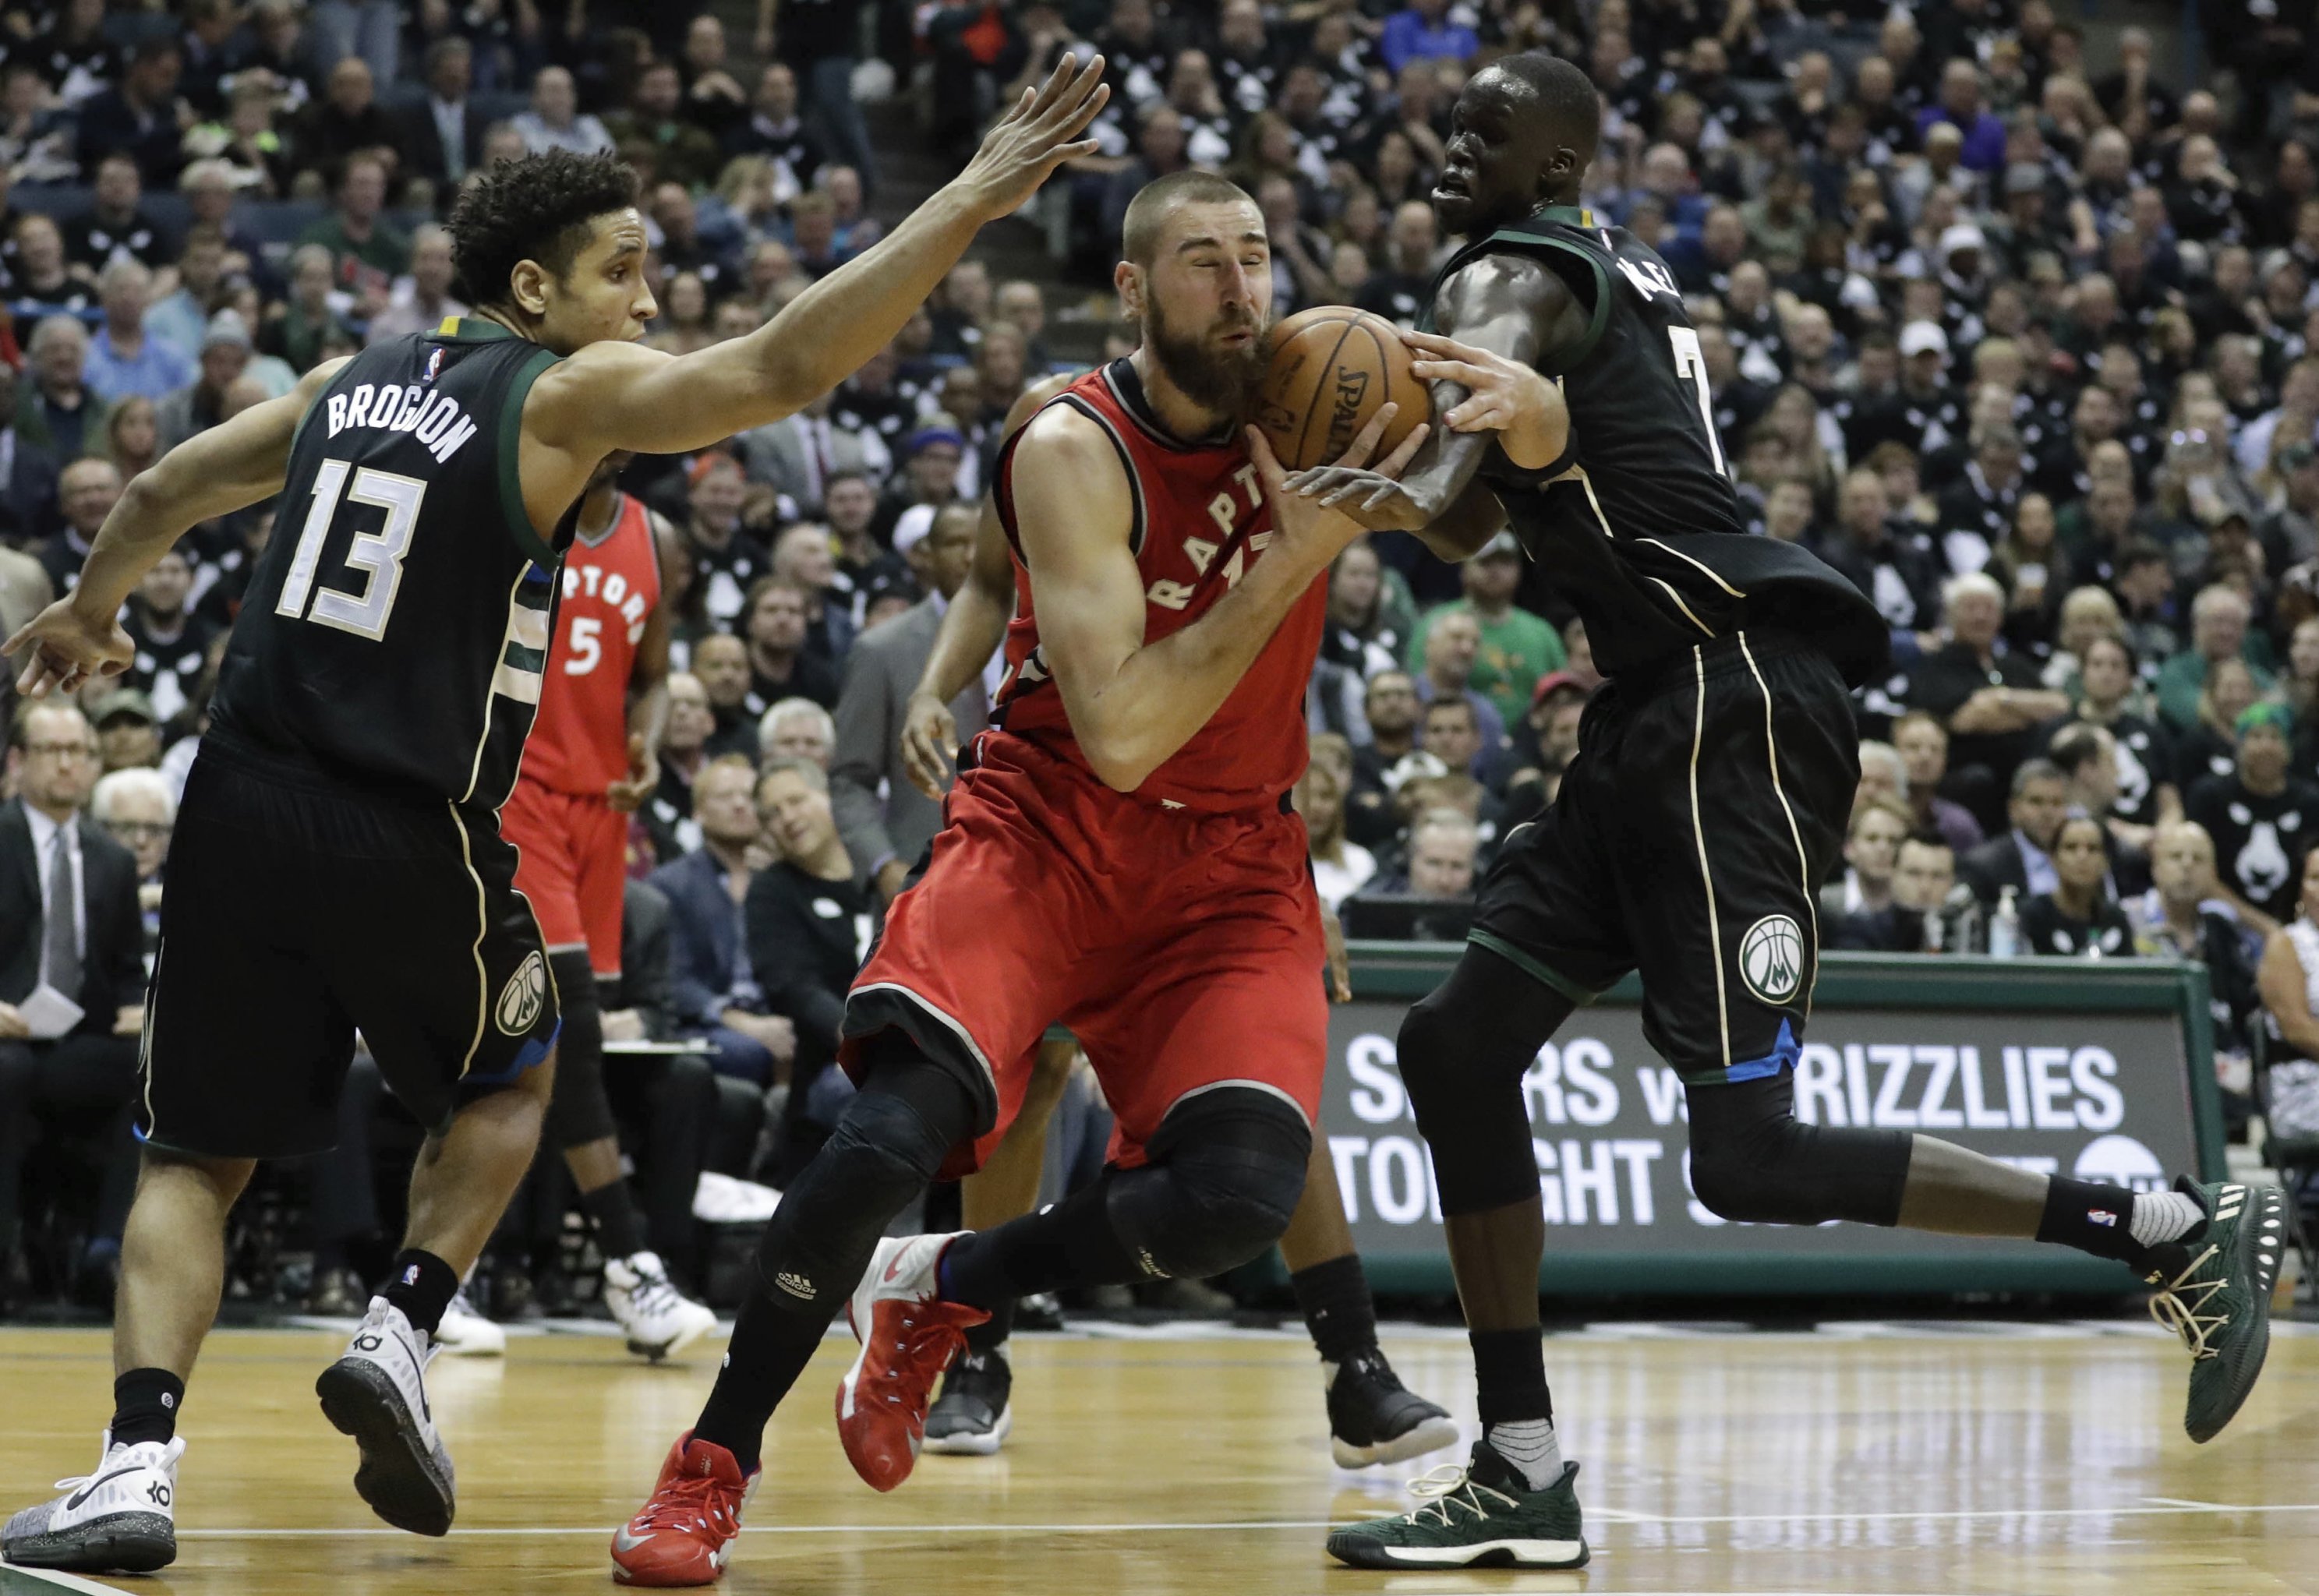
[1120, 857]
[1704, 810]
[338, 861]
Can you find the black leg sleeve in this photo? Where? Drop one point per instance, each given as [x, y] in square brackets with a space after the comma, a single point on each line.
[1463, 1052]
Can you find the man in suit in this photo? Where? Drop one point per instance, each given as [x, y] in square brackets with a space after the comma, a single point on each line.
[893, 826]
[2022, 856]
[798, 455]
[68, 924]
[28, 474]
[712, 993]
[443, 134]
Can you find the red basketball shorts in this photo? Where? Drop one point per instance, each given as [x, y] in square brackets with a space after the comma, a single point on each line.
[1182, 949]
[572, 862]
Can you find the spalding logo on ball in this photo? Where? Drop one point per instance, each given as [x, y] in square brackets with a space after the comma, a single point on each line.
[524, 995]
[1772, 958]
[1330, 368]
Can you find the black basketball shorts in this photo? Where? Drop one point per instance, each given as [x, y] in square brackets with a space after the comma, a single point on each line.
[297, 913]
[1706, 804]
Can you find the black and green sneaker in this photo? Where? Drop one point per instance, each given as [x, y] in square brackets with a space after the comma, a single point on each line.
[1484, 1515]
[2214, 1291]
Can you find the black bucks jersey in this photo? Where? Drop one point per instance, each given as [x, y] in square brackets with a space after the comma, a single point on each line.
[397, 623]
[1637, 526]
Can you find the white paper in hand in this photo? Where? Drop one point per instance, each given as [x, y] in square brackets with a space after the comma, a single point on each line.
[48, 1013]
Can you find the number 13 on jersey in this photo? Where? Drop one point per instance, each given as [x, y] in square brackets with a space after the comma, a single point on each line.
[375, 556]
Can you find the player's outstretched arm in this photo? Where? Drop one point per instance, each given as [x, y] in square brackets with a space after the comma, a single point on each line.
[228, 467]
[1132, 705]
[1503, 305]
[972, 627]
[625, 396]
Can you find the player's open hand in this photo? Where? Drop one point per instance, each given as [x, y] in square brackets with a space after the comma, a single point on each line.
[1502, 396]
[68, 650]
[1040, 134]
[1370, 496]
[1298, 517]
[929, 744]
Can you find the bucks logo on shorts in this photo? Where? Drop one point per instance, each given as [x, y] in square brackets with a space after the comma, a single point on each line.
[524, 995]
[1772, 958]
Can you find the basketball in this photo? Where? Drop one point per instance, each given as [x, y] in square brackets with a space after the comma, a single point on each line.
[1331, 367]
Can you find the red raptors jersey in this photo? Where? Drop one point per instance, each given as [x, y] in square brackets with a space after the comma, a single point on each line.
[580, 743]
[1200, 521]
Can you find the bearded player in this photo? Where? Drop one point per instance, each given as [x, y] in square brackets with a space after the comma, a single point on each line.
[1119, 856]
[1373, 1417]
[1704, 810]
[592, 760]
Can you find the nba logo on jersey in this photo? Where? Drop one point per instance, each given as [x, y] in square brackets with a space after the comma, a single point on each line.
[434, 366]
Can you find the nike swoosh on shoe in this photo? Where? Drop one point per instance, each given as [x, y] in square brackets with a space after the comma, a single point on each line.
[73, 1503]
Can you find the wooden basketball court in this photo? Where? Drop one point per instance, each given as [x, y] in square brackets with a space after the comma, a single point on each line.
[2044, 1459]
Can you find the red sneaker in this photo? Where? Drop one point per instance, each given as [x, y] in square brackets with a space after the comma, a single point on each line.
[908, 1336]
[684, 1534]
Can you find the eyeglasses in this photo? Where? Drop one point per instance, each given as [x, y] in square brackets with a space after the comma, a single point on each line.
[138, 830]
[58, 750]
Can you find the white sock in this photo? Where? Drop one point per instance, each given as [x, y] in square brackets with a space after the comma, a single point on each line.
[1530, 1445]
[2163, 1216]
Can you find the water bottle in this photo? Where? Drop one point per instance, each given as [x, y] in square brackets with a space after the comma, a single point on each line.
[2005, 927]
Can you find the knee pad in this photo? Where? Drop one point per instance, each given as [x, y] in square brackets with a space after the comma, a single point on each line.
[1463, 1052]
[578, 1111]
[887, 1146]
[1753, 1160]
[1227, 1170]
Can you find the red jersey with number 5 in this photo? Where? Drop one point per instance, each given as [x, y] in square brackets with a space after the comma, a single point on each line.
[1198, 523]
[580, 743]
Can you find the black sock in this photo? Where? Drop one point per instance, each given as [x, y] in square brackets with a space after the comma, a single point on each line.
[619, 1233]
[771, 1345]
[1509, 1376]
[423, 1285]
[816, 1247]
[145, 1403]
[1071, 1243]
[1334, 1298]
[2092, 1218]
[991, 1334]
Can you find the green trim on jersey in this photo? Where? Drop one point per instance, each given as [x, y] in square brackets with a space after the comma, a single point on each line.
[1523, 236]
[511, 449]
[471, 330]
[1544, 974]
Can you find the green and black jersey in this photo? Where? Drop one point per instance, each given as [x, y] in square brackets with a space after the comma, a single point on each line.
[396, 627]
[1636, 525]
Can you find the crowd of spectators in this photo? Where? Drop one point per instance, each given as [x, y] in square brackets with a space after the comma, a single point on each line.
[2015, 327]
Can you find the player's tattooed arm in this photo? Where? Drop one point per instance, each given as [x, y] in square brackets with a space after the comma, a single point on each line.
[1505, 305]
[228, 467]
[1133, 704]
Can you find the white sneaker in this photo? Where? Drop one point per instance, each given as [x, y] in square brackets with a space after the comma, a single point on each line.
[721, 1200]
[377, 1394]
[658, 1320]
[120, 1519]
[465, 1333]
